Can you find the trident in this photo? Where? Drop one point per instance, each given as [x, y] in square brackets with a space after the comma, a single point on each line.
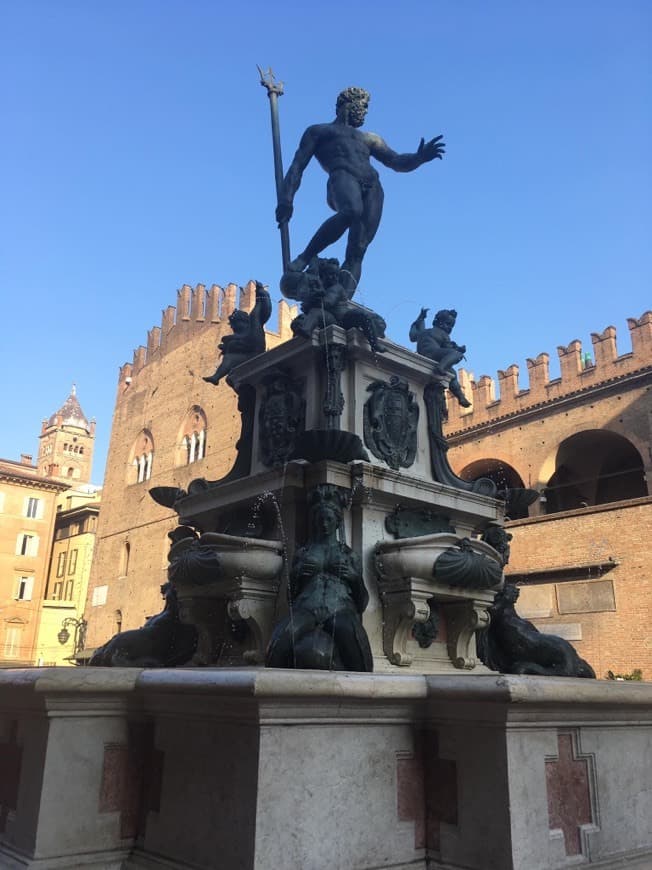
[275, 90]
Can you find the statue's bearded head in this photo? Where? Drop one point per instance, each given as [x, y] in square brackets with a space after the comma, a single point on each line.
[352, 104]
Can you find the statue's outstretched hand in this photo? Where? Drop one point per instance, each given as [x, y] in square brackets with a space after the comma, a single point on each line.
[283, 212]
[428, 151]
[423, 314]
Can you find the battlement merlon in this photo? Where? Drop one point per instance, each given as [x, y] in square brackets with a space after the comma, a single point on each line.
[198, 309]
[578, 372]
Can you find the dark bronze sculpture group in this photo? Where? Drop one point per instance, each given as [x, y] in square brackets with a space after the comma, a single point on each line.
[326, 590]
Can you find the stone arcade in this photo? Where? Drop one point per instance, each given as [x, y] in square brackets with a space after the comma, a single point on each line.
[341, 539]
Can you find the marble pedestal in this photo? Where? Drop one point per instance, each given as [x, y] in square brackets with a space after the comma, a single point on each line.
[241, 769]
[329, 387]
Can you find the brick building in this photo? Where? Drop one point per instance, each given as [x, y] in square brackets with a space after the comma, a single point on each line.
[584, 441]
[169, 427]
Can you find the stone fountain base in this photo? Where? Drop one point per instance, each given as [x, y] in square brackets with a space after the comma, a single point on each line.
[127, 769]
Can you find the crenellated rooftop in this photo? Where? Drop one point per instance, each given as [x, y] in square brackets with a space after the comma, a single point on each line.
[578, 373]
[198, 309]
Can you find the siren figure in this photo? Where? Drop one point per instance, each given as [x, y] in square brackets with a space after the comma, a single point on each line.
[327, 597]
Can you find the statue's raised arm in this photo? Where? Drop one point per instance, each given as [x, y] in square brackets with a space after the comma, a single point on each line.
[427, 151]
[354, 191]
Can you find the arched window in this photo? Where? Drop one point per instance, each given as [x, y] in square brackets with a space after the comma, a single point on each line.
[117, 622]
[124, 559]
[594, 467]
[142, 458]
[503, 475]
[192, 437]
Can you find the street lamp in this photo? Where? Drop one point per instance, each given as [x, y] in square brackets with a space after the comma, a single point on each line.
[79, 636]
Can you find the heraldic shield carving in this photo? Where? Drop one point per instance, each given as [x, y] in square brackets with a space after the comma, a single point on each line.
[390, 422]
[281, 418]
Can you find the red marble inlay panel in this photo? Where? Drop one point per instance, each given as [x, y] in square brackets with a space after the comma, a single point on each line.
[568, 783]
[11, 760]
[410, 794]
[131, 779]
[114, 773]
[426, 790]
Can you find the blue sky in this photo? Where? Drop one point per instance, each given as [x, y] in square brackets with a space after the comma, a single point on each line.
[136, 157]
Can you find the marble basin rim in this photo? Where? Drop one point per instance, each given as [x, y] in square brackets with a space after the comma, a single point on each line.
[416, 557]
[255, 558]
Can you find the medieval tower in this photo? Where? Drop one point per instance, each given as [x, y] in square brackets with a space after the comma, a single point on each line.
[66, 444]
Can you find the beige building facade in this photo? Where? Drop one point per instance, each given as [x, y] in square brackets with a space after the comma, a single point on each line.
[36, 505]
[27, 512]
[169, 427]
[62, 607]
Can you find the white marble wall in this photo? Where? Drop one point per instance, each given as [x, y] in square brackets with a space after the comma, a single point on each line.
[252, 769]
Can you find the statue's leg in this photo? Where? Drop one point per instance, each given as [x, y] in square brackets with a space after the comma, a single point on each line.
[363, 230]
[345, 198]
[280, 652]
[351, 641]
[229, 362]
[219, 374]
[456, 390]
[449, 358]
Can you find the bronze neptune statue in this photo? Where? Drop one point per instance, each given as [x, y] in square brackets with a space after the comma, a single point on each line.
[354, 192]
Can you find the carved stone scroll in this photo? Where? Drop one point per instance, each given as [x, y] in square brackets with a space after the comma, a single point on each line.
[462, 621]
[401, 611]
[334, 398]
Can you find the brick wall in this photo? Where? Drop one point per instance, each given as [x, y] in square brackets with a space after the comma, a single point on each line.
[563, 558]
[617, 639]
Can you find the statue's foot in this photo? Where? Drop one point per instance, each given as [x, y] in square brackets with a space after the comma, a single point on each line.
[213, 379]
[297, 265]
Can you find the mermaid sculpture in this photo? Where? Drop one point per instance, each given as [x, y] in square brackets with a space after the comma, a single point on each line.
[327, 597]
